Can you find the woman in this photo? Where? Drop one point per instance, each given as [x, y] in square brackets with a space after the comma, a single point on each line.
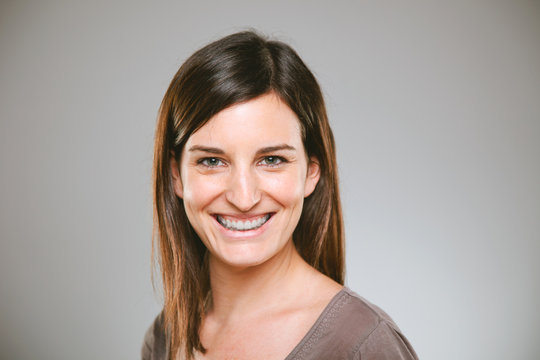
[248, 218]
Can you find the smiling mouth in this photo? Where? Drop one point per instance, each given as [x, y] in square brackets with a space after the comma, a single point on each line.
[239, 225]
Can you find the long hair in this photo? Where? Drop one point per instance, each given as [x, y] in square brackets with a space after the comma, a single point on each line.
[234, 69]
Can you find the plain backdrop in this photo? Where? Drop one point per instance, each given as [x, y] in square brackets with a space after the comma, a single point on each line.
[435, 107]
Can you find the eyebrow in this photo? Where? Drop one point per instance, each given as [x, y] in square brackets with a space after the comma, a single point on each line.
[211, 150]
[264, 150]
[270, 149]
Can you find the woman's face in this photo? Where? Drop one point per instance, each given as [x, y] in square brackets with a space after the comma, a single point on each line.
[243, 179]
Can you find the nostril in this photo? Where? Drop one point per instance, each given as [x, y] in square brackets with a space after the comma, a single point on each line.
[243, 198]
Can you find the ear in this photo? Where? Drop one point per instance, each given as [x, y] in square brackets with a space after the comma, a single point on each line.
[177, 180]
[312, 176]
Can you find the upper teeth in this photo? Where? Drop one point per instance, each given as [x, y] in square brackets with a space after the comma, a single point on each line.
[243, 225]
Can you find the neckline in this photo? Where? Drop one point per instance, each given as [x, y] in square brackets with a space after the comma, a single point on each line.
[317, 323]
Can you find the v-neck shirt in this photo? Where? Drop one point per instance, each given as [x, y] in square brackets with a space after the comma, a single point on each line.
[349, 327]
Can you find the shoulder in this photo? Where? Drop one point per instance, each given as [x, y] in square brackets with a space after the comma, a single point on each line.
[155, 344]
[353, 328]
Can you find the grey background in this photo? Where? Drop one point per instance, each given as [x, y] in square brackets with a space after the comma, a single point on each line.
[436, 111]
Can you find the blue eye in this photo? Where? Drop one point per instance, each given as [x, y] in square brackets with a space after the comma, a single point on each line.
[210, 162]
[272, 160]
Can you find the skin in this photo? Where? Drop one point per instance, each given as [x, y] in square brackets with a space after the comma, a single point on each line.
[247, 163]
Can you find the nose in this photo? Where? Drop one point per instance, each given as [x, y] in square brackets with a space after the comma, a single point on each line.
[243, 189]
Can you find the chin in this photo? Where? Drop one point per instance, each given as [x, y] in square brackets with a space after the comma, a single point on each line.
[246, 255]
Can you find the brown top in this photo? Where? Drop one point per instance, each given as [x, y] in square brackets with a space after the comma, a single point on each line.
[349, 328]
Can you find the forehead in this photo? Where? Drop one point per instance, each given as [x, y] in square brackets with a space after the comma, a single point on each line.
[263, 121]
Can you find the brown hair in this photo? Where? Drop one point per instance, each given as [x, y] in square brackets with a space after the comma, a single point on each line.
[236, 68]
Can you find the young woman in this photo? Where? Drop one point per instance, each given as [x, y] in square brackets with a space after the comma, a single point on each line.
[248, 222]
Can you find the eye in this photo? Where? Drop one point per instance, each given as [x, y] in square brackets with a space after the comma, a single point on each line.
[272, 160]
[210, 162]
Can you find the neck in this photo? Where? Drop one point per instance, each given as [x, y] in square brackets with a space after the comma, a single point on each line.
[250, 290]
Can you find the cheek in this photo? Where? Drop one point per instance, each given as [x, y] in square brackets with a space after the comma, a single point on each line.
[199, 192]
[286, 189]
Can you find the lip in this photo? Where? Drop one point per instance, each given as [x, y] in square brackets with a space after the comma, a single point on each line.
[243, 217]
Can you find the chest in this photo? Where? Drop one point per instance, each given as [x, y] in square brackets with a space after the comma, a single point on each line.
[274, 336]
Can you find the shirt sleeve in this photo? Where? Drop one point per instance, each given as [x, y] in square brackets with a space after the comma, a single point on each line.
[148, 344]
[386, 343]
[155, 346]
